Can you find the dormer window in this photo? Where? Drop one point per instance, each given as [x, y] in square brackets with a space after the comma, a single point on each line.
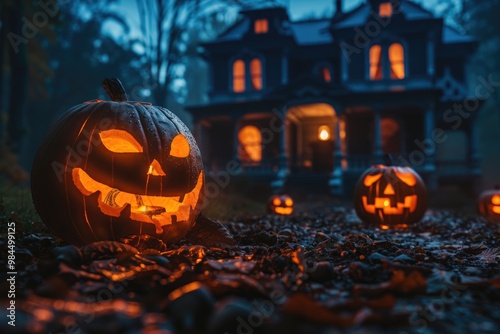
[385, 9]
[256, 73]
[261, 26]
[387, 62]
[376, 62]
[397, 61]
[326, 74]
[247, 75]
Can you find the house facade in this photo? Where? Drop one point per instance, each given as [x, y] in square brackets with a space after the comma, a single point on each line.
[319, 101]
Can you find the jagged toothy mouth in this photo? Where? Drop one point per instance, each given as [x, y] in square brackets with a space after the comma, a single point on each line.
[157, 210]
[410, 203]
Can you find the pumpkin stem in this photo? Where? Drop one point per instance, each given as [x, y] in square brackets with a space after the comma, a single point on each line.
[388, 161]
[115, 89]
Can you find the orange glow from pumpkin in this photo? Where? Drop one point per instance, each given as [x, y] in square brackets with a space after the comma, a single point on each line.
[410, 203]
[276, 201]
[407, 177]
[371, 179]
[155, 169]
[157, 210]
[397, 60]
[289, 202]
[180, 147]
[183, 290]
[283, 211]
[389, 190]
[495, 199]
[324, 133]
[119, 141]
[250, 140]
[496, 209]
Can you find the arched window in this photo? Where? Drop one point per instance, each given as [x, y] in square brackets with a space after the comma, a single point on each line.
[326, 74]
[391, 135]
[250, 148]
[239, 76]
[376, 62]
[261, 26]
[256, 73]
[397, 61]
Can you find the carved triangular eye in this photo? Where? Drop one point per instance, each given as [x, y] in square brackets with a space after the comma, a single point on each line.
[408, 178]
[180, 147]
[119, 141]
[371, 179]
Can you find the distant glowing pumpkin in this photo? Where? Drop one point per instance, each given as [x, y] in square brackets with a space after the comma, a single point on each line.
[489, 204]
[110, 169]
[390, 196]
[280, 205]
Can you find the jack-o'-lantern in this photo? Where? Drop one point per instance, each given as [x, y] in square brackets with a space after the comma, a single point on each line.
[280, 205]
[109, 169]
[489, 204]
[390, 196]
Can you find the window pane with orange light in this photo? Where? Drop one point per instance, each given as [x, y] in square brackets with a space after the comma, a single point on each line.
[250, 140]
[397, 61]
[238, 76]
[376, 62]
[256, 73]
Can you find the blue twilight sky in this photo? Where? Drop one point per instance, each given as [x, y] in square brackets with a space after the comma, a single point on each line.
[297, 9]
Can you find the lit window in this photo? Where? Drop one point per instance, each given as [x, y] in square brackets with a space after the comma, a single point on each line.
[238, 76]
[261, 26]
[250, 148]
[385, 9]
[256, 73]
[397, 61]
[376, 62]
[327, 76]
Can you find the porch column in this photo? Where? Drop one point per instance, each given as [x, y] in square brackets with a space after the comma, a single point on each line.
[279, 182]
[430, 150]
[336, 181]
[473, 151]
[377, 136]
[236, 141]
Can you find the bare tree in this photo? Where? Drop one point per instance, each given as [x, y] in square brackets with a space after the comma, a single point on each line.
[164, 24]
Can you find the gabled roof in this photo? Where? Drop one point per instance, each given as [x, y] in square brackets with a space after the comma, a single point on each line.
[312, 32]
[316, 32]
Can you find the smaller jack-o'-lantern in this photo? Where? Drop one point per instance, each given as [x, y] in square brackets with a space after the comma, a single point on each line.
[390, 196]
[280, 205]
[489, 204]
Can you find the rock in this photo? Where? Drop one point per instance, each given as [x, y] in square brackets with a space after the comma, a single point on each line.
[105, 250]
[70, 255]
[190, 307]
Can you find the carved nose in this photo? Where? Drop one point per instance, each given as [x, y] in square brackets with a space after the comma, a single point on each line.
[155, 169]
[389, 190]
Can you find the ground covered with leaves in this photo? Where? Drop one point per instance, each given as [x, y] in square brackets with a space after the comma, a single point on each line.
[323, 271]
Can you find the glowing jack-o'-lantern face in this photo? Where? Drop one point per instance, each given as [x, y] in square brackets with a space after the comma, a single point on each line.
[390, 196]
[489, 204]
[116, 168]
[280, 205]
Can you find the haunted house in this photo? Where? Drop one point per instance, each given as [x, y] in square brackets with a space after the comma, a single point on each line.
[316, 102]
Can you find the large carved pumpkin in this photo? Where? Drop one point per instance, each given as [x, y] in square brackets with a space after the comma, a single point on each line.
[489, 204]
[390, 196]
[109, 169]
